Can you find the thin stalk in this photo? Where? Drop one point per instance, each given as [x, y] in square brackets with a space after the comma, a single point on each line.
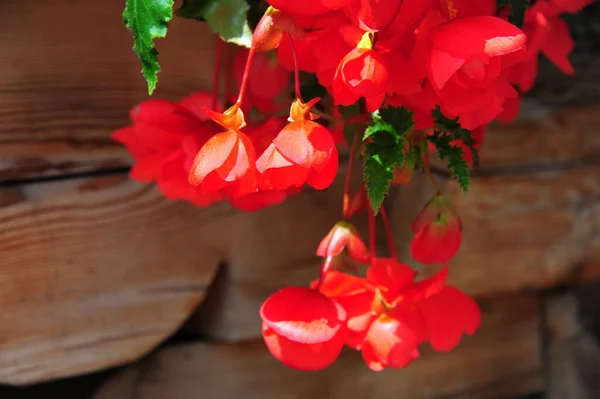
[388, 232]
[296, 71]
[240, 98]
[348, 183]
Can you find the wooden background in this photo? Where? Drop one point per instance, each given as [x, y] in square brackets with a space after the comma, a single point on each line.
[96, 271]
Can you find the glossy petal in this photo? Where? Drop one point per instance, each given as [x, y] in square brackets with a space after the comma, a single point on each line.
[447, 315]
[303, 315]
[475, 37]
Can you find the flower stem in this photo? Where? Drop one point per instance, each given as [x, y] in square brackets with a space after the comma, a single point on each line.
[348, 183]
[324, 270]
[217, 73]
[296, 71]
[388, 232]
[425, 159]
[229, 75]
[372, 237]
[240, 98]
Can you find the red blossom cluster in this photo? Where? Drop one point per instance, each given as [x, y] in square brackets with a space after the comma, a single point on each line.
[462, 58]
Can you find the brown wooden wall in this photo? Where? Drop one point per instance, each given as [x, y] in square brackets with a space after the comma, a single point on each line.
[97, 270]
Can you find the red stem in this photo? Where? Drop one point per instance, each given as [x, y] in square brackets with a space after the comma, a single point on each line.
[427, 170]
[324, 270]
[217, 76]
[229, 75]
[372, 237]
[346, 200]
[388, 232]
[245, 78]
[296, 71]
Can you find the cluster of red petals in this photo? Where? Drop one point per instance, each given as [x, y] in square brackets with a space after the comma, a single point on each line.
[461, 55]
[261, 168]
[179, 146]
[386, 316]
[163, 140]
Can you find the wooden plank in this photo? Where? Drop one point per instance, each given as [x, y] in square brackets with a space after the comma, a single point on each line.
[68, 77]
[96, 272]
[502, 359]
[573, 353]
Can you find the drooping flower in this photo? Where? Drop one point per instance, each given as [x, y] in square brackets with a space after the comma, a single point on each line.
[163, 140]
[344, 236]
[466, 61]
[362, 73]
[389, 314]
[303, 152]
[303, 328]
[225, 163]
[438, 232]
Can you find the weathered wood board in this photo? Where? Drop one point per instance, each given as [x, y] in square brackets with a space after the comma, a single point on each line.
[502, 360]
[68, 77]
[96, 272]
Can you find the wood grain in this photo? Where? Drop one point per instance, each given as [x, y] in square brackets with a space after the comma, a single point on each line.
[503, 359]
[68, 77]
[96, 272]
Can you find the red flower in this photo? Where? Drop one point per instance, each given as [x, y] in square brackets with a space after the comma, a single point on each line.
[549, 34]
[465, 66]
[302, 153]
[302, 328]
[389, 314]
[163, 140]
[343, 235]
[438, 232]
[362, 73]
[226, 161]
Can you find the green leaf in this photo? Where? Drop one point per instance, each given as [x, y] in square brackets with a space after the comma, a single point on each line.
[385, 150]
[227, 18]
[445, 133]
[147, 20]
[452, 127]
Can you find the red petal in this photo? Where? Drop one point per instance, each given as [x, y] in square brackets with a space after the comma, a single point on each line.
[447, 315]
[443, 67]
[255, 201]
[303, 315]
[196, 102]
[153, 110]
[302, 356]
[213, 155]
[476, 37]
[392, 342]
[322, 179]
[559, 45]
[372, 15]
[390, 274]
[337, 285]
[335, 241]
[305, 143]
[436, 243]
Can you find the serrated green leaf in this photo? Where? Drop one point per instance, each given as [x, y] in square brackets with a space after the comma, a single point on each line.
[147, 20]
[227, 18]
[377, 182]
[385, 150]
